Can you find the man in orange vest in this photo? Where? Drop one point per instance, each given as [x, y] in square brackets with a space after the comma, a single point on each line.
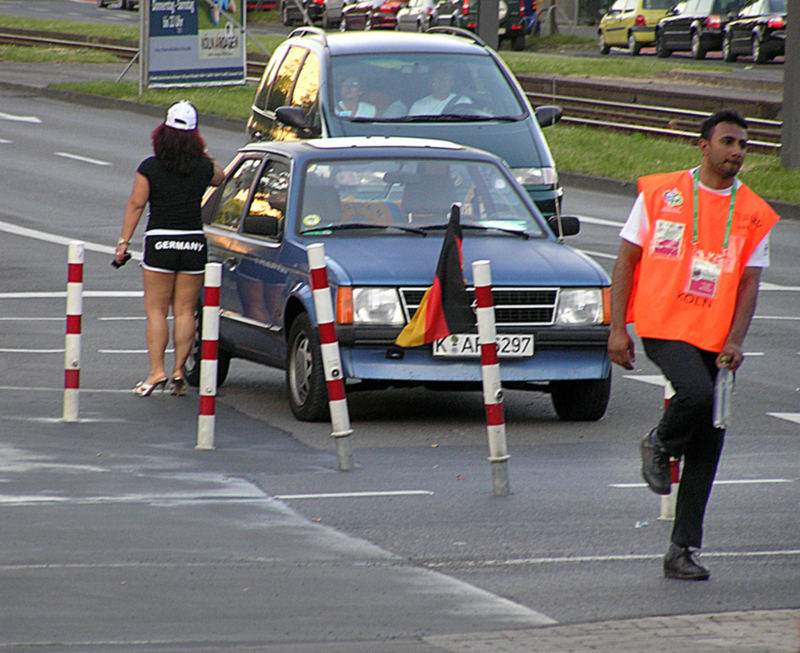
[687, 276]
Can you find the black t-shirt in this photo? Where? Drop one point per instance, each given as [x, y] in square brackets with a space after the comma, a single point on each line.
[175, 199]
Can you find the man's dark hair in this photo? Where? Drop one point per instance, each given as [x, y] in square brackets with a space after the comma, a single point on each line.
[725, 115]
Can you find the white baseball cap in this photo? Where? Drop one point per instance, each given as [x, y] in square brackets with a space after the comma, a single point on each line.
[182, 115]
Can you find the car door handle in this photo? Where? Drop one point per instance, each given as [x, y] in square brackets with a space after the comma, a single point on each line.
[230, 263]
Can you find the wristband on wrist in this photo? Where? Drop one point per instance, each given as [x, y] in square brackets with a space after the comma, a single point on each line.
[122, 241]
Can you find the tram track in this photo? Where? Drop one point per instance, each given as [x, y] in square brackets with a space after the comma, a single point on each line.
[660, 114]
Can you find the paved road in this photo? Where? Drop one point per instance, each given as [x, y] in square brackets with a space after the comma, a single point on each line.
[118, 535]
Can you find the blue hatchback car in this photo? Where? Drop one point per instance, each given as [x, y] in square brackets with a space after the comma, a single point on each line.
[380, 206]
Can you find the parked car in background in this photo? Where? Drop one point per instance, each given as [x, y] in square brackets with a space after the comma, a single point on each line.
[510, 21]
[370, 14]
[759, 31]
[382, 84]
[380, 206]
[448, 13]
[631, 24]
[327, 13]
[695, 25]
[123, 4]
[416, 16]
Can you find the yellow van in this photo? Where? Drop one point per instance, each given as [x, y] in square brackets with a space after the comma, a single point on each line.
[631, 24]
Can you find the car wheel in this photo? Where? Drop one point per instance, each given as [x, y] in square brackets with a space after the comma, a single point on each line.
[634, 47]
[518, 42]
[605, 48]
[759, 53]
[585, 400]
[727, 49]
[102, 3]
[698, 51]
[661, 47]
[305, 378]
[191, 369]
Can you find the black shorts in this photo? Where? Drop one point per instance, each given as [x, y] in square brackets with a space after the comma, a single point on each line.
[175, 251]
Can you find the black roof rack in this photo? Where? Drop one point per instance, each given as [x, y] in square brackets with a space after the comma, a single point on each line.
[457, 31]
[309, 30]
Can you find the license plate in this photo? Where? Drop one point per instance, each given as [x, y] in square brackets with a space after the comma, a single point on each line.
[465, 345]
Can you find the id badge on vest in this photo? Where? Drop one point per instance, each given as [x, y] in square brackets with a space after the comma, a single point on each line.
[667, 241]
[703, 277]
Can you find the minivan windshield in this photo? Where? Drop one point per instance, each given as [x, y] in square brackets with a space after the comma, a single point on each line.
[347, 197]
[421, 87]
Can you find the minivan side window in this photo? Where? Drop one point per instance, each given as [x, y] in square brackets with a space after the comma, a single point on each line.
[233, 195]
[306, 90]
[267, 213]
[266, 83]
[287, 73]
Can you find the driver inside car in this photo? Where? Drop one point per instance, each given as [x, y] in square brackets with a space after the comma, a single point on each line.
[441, 94]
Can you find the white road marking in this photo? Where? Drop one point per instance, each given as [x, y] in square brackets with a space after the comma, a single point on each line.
[5, 141]
[744, 481]
[82, 159]
[15, 118]
[765, 285]
[789, 417]
[354, 495]
[775, 317]
[600, 221]
[6, 350]
[589, 252]
[118, 294]
[33, 319]
[126, 351]
[631, 557]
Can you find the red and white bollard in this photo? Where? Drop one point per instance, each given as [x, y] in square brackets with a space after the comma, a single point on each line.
[72, 356]
[490, 371]
[208, 358]
[331, 361]
[668, 500]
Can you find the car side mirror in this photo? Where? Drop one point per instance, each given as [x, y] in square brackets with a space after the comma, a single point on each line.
[260, 225]
[570, 225]
[292, 116]
[548, 114]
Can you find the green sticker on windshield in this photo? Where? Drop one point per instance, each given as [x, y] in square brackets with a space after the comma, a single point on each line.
[312, 220]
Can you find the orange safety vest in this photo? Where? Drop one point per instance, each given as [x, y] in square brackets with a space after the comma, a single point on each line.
[663, 303]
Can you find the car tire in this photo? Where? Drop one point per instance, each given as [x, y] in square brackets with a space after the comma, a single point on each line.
[518, 42]
[605, 48]
[584, 400]
[661, 47]
[758, 50]
[305, 377]
[102, 3]
[698, 51]
[634, 47]
[727, 49]
[191, 369]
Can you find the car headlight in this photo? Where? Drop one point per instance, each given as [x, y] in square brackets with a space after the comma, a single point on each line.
[377, 306]
[535, 176]
[578, 306]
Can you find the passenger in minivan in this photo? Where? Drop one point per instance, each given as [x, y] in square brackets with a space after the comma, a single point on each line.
[441, 94]
[350, 103]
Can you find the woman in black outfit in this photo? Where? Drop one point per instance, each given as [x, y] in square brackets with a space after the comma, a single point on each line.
[173, 182]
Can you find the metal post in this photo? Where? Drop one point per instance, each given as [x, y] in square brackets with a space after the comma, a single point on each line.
[790, 130]
[331, 362]
[72, 347]
[208, 362]
[490, 371]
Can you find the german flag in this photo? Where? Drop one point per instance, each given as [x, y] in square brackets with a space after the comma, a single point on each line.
[444, 308]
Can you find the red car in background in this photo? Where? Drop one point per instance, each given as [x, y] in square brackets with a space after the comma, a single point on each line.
[370, 14]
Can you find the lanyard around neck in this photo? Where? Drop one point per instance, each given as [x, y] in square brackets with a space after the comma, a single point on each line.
[696, 175]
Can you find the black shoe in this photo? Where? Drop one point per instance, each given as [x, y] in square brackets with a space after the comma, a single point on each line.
[679, 563]
[655, 464]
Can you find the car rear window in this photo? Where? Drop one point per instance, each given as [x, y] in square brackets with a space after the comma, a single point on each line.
[658, 4]
[411, 192]
[391, 84]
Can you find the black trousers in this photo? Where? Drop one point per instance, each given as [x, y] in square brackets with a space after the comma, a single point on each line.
[686, 429]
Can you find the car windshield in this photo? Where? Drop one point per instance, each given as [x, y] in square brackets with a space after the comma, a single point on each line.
[349, 197]
[406, 87]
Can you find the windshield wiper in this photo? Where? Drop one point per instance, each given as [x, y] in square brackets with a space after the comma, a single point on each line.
[363, 225]
[444, 117]
[480, 227]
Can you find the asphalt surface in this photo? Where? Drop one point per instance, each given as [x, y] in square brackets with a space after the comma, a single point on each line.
[143, 494]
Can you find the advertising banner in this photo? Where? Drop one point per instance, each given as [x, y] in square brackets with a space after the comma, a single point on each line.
[193, 42]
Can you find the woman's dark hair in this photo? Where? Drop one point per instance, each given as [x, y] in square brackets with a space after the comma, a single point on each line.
[725, 115]
[178, 149]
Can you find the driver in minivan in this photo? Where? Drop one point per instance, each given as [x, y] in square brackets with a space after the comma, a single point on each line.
[441, 94]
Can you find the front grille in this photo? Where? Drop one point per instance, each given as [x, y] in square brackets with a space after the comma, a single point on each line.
[512, 306]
